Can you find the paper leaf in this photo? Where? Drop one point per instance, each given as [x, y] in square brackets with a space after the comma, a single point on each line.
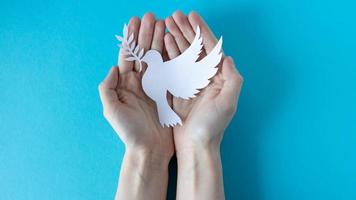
[140, 54]
[125, 31]
[136, 49]
[130, 39]
[119, 38]
[133, 45]
[130, 58]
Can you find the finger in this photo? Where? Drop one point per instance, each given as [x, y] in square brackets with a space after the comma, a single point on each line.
[145, 33]
[232, 79]
[107, 88]
[171, 46]
[133, 27]
[158, 35]
[172, 27]
[164, 52]
[209, 39]
[184, 26]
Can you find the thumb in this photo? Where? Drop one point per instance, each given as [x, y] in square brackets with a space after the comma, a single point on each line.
[107, 88]
[232, 80]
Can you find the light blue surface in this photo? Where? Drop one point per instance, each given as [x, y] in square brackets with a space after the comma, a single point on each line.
[294, 136]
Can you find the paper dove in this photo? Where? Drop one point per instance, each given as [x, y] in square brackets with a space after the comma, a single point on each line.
[181, 76]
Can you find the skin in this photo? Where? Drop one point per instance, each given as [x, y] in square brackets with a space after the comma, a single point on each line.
[133, 115]
[205, 117]
[148, 146]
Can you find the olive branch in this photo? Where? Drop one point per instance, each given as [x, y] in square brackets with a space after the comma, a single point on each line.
[129, 47]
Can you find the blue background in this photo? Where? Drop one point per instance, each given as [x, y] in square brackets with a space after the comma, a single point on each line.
[294, 133]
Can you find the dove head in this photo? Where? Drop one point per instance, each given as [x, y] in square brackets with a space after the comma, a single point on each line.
[151, 57]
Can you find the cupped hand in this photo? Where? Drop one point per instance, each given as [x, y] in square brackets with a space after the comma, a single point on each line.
[206, 116]
[130, 112]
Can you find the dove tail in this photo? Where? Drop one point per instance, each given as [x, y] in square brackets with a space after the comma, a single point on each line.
[167, 117]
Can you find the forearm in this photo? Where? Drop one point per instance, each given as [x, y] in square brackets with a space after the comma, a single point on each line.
[200, 174]
[143, 175]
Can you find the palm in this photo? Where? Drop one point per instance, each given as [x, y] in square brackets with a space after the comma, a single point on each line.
[130, 112]
[206, 116]
[207, 113]
[135, 117]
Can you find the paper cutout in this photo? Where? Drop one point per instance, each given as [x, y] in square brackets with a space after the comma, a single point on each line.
[181, 76]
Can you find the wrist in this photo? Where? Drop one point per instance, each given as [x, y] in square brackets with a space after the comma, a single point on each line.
[197, 153]
[148, 158]
[192, 143]
[200, 173]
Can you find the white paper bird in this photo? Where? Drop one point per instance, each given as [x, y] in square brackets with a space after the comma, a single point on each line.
[181, 76]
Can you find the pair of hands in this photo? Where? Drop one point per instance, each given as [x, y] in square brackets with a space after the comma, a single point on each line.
[133, 114]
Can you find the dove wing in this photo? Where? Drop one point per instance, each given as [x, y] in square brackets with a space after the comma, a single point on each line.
[187, 75]
[192, 53]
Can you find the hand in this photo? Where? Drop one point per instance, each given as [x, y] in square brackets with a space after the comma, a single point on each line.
[206, 116]
[130, 112]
